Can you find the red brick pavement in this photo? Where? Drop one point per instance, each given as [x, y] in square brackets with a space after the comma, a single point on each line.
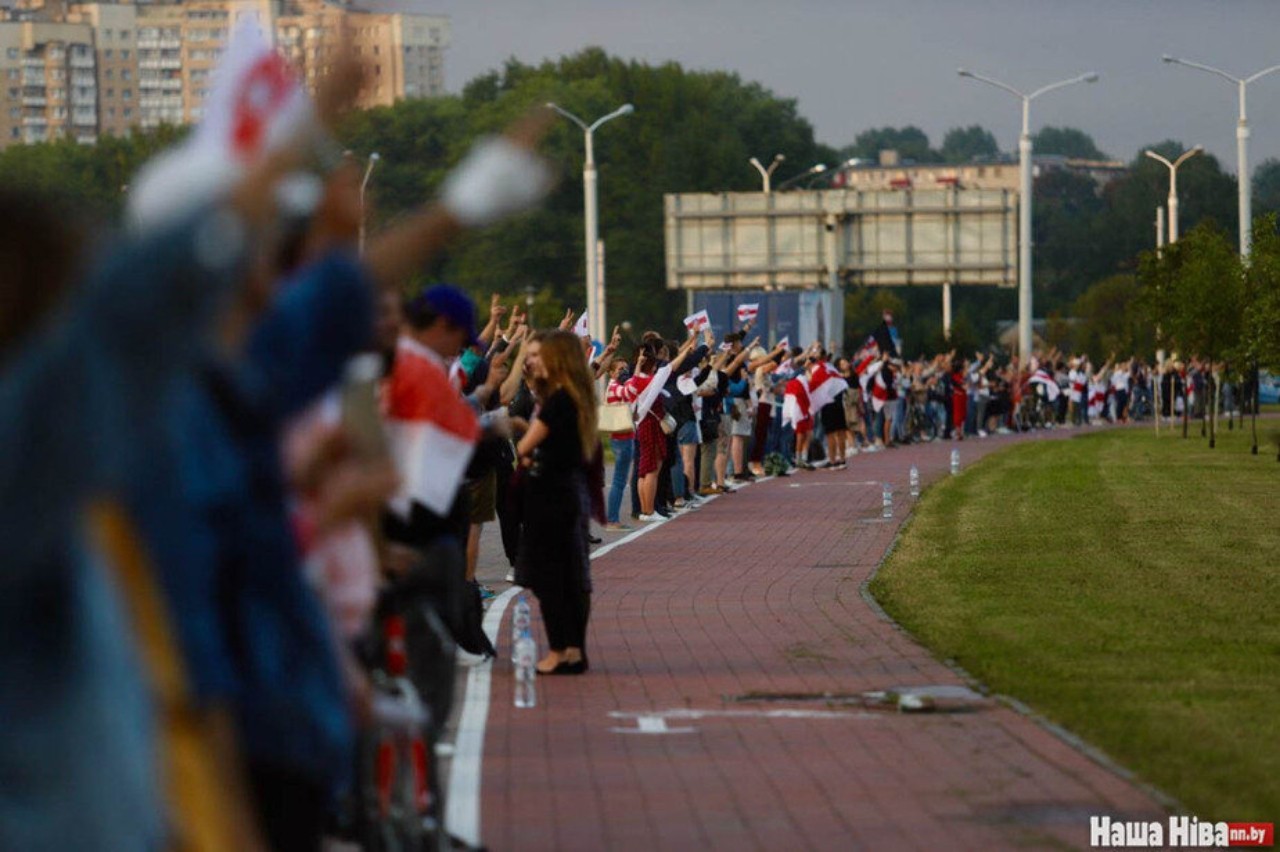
[759, 592]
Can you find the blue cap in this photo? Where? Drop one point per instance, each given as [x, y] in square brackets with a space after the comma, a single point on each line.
[452, 304]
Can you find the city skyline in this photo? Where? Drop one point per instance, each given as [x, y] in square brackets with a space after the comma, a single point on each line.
[802, 50]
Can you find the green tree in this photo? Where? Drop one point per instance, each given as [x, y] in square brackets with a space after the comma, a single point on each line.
[691, 132]
[1266, 187]
[910, 142]
[1259, 345]
[966, 144]
[1066, 142]
[1203, 294]
[1107, 322]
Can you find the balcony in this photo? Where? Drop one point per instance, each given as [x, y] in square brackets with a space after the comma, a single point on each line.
[82, 62]
[35, 121]
[34, 100]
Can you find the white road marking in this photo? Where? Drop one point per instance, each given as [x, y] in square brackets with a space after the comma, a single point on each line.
[462, 809]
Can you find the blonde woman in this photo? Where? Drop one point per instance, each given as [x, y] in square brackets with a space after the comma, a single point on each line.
[555, 452]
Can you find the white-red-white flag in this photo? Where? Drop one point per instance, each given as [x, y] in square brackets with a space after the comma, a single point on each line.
[785, 343]
[748, 313]
[879, 390]
[580, 327]
[257, 102]
[825, 384]
[795, 403]
[432, 431]
[642, 391]
[697, 322]
[1051, 390]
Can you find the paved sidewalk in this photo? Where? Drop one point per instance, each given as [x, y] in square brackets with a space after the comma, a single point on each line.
[694, 730]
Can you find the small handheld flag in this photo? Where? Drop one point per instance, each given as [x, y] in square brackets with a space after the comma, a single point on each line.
[697, 322]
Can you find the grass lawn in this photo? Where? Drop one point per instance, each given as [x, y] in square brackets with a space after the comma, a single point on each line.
[1127, 588]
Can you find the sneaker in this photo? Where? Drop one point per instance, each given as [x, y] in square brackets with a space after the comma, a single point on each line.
[982, 433]
[619, 527]
[648, 519]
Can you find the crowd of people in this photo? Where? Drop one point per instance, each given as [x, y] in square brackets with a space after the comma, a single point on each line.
[246, 475]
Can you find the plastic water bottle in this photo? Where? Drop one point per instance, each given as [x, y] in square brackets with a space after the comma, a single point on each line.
[915, 481]
[521, 620]
[524, 655]
[888, 501]
[955, 462]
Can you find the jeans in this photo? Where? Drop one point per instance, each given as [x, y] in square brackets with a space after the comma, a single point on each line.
[623, 455]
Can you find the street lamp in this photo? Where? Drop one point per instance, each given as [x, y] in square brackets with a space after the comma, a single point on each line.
[815, 169]
[595, 301]
[1173, 185]
[368, 171]
[1024, 199]
[1242, 143]
[767, 174]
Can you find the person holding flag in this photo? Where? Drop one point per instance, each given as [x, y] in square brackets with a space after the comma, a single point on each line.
[826, 396]
[644, 391]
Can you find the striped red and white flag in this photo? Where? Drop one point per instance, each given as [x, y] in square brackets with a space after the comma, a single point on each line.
[1051, 390]
[697, 322]
[795, 403]
[825, 385]
[748, 313]
[432, 431]
[879, 390]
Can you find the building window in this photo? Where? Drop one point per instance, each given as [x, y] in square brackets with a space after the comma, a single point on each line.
[124, 54]
[106, 54]
[106, 34]
[128, 113]
[109, 74]
[377, 51]
[127, 94]
[124, 35]
[126, 74]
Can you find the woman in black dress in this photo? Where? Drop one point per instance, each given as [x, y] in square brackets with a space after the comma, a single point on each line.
[554, 453]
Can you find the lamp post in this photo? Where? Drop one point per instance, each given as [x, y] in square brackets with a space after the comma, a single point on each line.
[1024, 199]
[1173, 185]
[1242, 143]
[815, 169]
[766, 174]
[595, 301]
[368, 171]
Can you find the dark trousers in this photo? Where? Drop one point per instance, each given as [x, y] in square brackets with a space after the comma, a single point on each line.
[565, 615]
[666, 493]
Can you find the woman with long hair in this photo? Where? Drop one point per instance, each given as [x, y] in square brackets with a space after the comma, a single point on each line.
[554, 453]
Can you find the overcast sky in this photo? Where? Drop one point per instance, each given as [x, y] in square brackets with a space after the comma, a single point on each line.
[854, 64]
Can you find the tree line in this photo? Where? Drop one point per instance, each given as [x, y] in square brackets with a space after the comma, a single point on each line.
[694, 131]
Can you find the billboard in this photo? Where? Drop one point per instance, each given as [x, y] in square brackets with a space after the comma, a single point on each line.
[829, 238]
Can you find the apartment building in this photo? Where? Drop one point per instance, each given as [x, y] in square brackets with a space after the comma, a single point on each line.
[81, 70]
